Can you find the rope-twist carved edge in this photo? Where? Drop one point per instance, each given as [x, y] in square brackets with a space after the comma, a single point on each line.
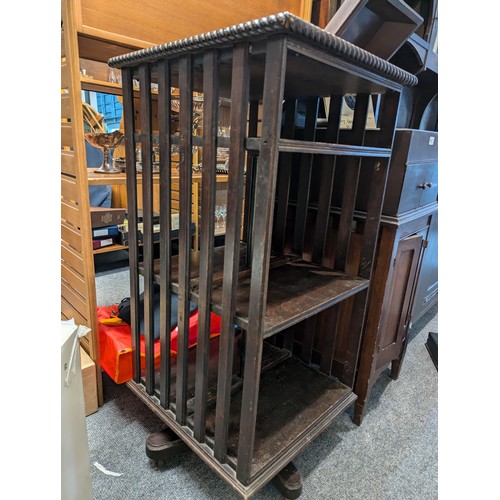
[282, 22]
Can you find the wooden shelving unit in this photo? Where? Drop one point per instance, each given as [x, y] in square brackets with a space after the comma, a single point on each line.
[296, 266]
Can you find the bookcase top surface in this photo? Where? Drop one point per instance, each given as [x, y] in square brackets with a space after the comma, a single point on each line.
[283, 22]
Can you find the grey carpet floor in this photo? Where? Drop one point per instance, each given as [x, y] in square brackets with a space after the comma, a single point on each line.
[393, 455]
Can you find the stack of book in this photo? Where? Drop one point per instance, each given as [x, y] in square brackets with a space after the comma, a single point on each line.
[105, 222]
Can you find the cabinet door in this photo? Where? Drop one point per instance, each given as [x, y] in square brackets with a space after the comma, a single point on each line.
[395, 325]
[426, 293]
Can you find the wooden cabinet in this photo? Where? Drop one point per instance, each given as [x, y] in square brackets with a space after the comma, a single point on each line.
[406, 278]
[93, 32]
[292, 279]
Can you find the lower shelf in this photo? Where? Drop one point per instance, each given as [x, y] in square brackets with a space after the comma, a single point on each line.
[296, 403]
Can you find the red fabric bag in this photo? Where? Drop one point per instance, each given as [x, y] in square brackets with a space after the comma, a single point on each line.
[115, 342]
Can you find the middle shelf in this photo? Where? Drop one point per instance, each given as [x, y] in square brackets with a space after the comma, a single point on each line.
[297, 289]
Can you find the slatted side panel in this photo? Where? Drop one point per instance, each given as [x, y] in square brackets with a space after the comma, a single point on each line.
[77, 268]
[379, 171]
[319, 204]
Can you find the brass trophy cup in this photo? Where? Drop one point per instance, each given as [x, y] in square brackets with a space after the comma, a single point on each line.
[106, 141]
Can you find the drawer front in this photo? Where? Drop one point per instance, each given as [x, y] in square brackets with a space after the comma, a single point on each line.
[423, 146]
[420, 186]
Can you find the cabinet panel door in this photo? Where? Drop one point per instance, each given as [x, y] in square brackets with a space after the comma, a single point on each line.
[429, 190]
[395, 325]
[427, 288]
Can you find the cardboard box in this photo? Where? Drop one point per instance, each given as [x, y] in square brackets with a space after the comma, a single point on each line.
[101, 217]
[89, 383]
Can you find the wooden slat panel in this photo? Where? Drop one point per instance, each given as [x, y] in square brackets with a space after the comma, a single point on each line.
[70, 213]
[78, 302]
[68, 163]
[66, 135]
[66, 106]
[72, 137]
[72, 237]
[73, 279]
[70, 312]
[72, 259]
[69, 189]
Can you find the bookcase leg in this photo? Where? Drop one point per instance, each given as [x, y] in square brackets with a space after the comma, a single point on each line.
[164, 445]
[288, 481]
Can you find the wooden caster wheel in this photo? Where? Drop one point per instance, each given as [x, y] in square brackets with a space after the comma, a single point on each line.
[164, 445]
[288, 482]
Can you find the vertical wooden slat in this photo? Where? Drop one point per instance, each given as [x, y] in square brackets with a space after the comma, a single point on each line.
[351, 183]
[253, 123]
[388, 117]
[350, 348]
[210, 118]
[326, 183]
[305, 171]
[265, 184]
[129, 122]
[284, 175]
[185, 195]
[164, 114]
[330, 328]
[239, 103]
[147, 205]
[308, 339]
